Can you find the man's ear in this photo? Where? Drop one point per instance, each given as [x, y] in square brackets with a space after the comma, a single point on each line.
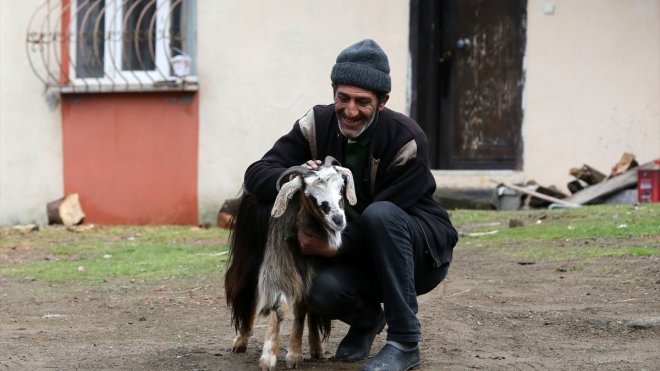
[383, 100]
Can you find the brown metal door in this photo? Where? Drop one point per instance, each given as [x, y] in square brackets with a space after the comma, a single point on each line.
[472, 51]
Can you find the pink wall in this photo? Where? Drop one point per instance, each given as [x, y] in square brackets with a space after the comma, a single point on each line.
[132, 157]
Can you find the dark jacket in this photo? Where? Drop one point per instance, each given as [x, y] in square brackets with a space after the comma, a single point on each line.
[398, 170]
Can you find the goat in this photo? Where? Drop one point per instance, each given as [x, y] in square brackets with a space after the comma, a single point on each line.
[312, 199]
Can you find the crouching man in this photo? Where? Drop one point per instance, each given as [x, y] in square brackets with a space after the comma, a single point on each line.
[399, 240]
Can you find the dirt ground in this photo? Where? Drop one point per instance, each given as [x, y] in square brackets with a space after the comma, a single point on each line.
[492, 312]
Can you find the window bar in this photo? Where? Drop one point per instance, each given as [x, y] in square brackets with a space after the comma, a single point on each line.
[34, 43]
[115, 36]
[167, 41]
[100, 60]
[59, 35]
[126, 37]
[83, 46]
[165, 76]
[47, 41]
[151, 47]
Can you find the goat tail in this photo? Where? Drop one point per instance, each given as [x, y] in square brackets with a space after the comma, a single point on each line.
[320, 323]
[247, 241]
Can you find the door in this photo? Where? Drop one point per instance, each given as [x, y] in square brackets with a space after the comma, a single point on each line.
[468, 80]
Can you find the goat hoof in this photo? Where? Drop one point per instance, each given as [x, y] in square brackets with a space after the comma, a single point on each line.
[293, 360]
[239, 349]
[267, 362]
[239, 345]
[316, 354]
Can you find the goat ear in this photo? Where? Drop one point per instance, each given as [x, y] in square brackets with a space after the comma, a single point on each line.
[284, 195]
[350, 186]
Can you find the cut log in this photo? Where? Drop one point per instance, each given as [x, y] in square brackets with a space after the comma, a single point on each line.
[576, 185]
[535, 202]
[626, 163]
[587, 174]
[66, 210]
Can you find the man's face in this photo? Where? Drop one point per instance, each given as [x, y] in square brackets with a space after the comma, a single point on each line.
[356, 108]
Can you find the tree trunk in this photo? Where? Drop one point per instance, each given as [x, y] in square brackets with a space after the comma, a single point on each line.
[65, 210]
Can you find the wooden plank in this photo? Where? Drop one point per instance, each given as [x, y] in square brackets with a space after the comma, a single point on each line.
[541, 196]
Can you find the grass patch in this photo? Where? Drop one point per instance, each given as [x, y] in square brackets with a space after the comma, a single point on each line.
[108, 253]
[583, 233]
[114, 252]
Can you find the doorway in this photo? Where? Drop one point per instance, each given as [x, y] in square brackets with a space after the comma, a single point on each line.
[467, 81]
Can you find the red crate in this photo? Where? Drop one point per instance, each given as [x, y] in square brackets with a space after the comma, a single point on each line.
[648, 183]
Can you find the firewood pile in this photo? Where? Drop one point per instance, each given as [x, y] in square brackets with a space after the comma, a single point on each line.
[589, 187]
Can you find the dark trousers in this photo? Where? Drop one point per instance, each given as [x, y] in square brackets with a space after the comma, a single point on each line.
[394, 270]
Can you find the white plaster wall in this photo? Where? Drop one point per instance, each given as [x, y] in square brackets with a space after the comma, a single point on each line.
[592, 86]
[30, 133]
[261, 67]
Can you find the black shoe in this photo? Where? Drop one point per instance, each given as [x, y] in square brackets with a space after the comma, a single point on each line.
[356, 345]
[391, 358]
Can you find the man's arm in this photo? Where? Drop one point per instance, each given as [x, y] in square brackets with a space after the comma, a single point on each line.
[290, 150]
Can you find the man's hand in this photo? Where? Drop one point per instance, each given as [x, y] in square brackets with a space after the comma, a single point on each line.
[311, 244]
[312, 164]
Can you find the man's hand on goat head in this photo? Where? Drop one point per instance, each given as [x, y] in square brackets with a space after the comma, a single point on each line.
[312, 244]
[312, 164]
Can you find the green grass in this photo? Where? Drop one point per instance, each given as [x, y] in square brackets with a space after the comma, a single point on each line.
[116, 253]
[107, 253]
[581, 233]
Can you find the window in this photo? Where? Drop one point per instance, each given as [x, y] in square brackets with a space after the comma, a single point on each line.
[115, 45]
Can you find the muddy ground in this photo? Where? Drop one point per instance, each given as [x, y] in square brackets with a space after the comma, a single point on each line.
[492, 312]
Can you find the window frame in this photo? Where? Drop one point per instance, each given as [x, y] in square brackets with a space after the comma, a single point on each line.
[115, 77]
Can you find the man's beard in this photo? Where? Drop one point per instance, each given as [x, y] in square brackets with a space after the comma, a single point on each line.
[364, 128]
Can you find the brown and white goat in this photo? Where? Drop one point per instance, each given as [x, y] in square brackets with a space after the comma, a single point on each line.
[311, 199]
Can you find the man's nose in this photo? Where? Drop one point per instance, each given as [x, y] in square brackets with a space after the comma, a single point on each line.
[351, 109]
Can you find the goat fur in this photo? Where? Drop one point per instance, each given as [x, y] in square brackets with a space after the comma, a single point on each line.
[284, 274]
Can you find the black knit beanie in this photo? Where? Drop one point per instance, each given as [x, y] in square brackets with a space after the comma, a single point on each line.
[364, 65]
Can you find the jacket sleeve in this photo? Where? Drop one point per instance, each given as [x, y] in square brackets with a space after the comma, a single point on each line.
[290, 150]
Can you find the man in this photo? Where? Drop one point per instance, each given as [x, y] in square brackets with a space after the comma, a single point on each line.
[399, 240]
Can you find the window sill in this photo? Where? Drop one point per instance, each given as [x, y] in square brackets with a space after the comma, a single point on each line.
[162, 86]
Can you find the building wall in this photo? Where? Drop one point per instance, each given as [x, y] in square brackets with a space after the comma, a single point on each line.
[30, 131]
[263, 65]
[592, 88]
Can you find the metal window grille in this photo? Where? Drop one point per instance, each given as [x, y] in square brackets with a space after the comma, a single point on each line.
[114, 45]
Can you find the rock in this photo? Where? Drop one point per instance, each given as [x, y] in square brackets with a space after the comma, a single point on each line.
[644, 323]
[513, 223]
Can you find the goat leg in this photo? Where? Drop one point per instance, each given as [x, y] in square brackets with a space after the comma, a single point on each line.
[244, 332]
[268, 358]
[315, 340]
[294, 356]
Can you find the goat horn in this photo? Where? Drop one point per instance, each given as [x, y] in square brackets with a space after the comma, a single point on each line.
[294, 170]
[331, 161]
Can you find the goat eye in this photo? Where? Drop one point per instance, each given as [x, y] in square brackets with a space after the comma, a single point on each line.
[341, 202]
[325, 207]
